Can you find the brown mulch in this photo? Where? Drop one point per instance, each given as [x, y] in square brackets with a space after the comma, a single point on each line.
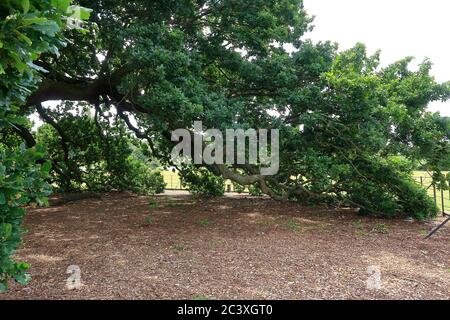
[234, 247]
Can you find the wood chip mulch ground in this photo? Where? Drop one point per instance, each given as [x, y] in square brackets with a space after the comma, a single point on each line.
[234, 247]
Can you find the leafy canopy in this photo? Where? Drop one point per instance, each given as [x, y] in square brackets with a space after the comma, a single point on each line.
[165, 64]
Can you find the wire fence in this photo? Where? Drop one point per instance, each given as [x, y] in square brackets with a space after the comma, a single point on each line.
[172, 180]
[440, 196]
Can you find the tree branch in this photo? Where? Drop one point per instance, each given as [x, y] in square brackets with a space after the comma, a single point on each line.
[88, 90]
[25, 134]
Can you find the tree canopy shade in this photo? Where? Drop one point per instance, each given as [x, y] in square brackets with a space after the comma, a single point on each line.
[155, 66]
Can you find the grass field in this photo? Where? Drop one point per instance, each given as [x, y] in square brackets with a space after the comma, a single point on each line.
[425, 179]
[173, 181]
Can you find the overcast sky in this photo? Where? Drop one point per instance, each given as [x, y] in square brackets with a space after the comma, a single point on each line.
[399, 28]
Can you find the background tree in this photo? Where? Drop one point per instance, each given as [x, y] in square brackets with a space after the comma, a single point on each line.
[95, 153]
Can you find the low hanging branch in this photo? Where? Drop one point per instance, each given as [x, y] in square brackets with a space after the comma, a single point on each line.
[25, 134]
[64, 139]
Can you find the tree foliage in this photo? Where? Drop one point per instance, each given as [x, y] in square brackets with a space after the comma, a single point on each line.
[164, 65]
[94, 154]
[28, 29]
[350, 130]
[201, 181]
[21, 183]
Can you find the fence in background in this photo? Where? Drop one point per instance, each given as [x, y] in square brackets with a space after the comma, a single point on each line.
[440, 196]
[173, 182]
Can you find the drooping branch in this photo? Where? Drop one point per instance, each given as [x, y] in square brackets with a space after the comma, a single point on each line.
[139, 134]
[246, 180]
[64, 139]
[25, 134]
[30, 142]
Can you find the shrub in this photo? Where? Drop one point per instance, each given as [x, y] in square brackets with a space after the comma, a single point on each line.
[254, 190]
[141, 179]
[202, 181]
[21, 183]
[238, 188]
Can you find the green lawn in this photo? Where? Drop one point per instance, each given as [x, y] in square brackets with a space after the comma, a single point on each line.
[173, 181]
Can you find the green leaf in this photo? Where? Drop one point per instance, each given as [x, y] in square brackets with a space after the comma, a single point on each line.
[46, 166]
[48, 27]
[61, 5]
[23, 37]
[23, 266]
[3, 286]
[23, 278]
[28, 21]
[80, 13]
[25, 5]
[2, 198]
[6, 230]
[85, 13]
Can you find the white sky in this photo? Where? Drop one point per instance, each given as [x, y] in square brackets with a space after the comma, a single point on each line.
[399, 28]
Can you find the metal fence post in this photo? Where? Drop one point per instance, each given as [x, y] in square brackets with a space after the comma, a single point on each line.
[449, 190]
[434, 195]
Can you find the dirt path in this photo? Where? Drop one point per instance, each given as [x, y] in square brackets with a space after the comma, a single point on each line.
[232, 247]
